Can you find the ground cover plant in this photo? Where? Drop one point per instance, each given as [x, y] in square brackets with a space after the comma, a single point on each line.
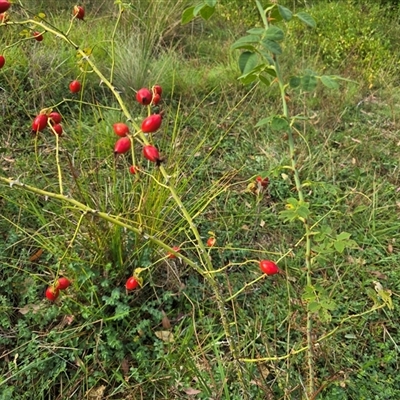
[171, 231]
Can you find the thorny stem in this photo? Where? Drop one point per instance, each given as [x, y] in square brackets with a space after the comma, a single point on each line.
[204, 257]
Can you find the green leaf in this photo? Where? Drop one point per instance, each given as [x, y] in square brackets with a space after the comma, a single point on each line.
[197, 9]
[294, 81]
[343, 236]
[267, 56]
[206, 12]
[314, 306]
[306, 18]
[245, 41]
[272, 46]
[211, 3]
[275, 16]
[264, 80]
[328, 304]
[308, 83]
[256, 31]
[350, 336]
[285, 13]
[279, 123]
[247, 79]
[303, 212]
[263, 122]
[339, 246]
[309, 293]
[247, 61]
[187, 15]
[274, 33]
[329, 82]
[324, 315]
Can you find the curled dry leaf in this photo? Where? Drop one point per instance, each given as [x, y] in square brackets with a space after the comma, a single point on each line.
[379, 275]
[34, 308]
[166, 323]
[96, 393]
[191, 391]
[165, 336]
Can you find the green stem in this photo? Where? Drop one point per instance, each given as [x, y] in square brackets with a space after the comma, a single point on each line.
[307, 255]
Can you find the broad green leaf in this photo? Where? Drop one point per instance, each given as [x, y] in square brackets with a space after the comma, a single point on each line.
[309, 293]
[272, 46]
[187, 15]
[264, 80]
[245, 40]
[274, 33]
[197, 9]
[248, 47]
[292, 202]
[324, 315]
[308, 83]
[343, 236]
[285, 13]
[247, 79]
[206, 12]
[306, 18]
[314, 306]
[279, 123]
[275, 15]
[329, 82]
[247, 61]
[267, 56]
[294, 81]
[256, 31]
[211, 3]
[328, 304]
[256, 70]
[303, 212]
[263, 122]
[288, 215]
[339, 246]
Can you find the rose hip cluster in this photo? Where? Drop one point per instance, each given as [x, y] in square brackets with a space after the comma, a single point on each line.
[41, 122]
[53, 291]
[150, 124]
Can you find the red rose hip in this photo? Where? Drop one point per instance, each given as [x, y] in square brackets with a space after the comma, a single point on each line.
[75, 86]
[79, 12]
[38, 36]
[52, 293]
[39, 123]
[57, 128]
[151, 123]
[4, 5]
[121, 129]
[122, 145]
[269, 267]
[144, 96]
[55, 118]
[131, 283]
[151, 153]
[63, 283]
[2, 61]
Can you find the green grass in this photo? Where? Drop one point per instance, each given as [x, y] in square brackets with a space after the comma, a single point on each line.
[166, 340]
